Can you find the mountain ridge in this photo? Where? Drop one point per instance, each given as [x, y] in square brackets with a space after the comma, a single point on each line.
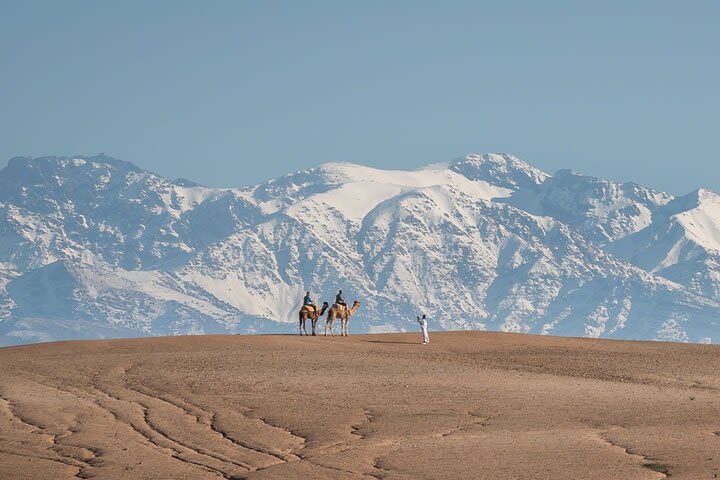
[484, 241]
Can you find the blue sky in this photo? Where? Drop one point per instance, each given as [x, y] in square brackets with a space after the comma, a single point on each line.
[231, 93]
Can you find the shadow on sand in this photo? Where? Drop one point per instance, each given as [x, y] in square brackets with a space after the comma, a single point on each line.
[389, 341]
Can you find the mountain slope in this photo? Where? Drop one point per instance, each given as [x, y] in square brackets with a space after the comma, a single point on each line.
[602, 210]
[682, 243]
[96, 247]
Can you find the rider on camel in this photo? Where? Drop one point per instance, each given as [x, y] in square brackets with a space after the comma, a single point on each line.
[340, 300]
[307, 301]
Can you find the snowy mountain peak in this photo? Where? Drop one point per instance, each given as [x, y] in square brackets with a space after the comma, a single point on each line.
[603, 210]
[499, 169]
[682, 243]
[54, 164]
[607, 188]
[701, 218]
[698, 199]
[706, 197]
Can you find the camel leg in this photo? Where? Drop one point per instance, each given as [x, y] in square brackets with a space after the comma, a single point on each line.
[300, 325]
[314, 324]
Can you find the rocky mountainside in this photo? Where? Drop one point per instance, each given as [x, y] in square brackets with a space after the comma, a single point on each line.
[94, 247]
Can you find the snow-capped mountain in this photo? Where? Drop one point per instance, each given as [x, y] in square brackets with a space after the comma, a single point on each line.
[94, 247]
[682, 243]
[602, 210]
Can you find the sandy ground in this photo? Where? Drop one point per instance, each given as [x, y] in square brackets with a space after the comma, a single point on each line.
[469, 405]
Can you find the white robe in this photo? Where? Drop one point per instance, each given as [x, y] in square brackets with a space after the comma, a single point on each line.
[423, 327]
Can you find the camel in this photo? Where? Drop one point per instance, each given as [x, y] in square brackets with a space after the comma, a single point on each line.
[337, 311]
[306, 313]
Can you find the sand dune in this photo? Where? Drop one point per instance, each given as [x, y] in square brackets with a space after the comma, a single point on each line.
[470, 405]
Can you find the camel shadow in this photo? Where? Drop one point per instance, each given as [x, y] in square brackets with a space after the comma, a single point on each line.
[391, 342]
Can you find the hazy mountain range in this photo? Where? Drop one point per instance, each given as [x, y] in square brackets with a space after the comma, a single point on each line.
[94, 247]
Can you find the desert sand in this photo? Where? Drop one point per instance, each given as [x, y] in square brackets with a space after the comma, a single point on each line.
[471, 405]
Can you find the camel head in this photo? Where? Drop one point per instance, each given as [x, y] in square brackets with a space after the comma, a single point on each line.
[324, 307]
[355, 306]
